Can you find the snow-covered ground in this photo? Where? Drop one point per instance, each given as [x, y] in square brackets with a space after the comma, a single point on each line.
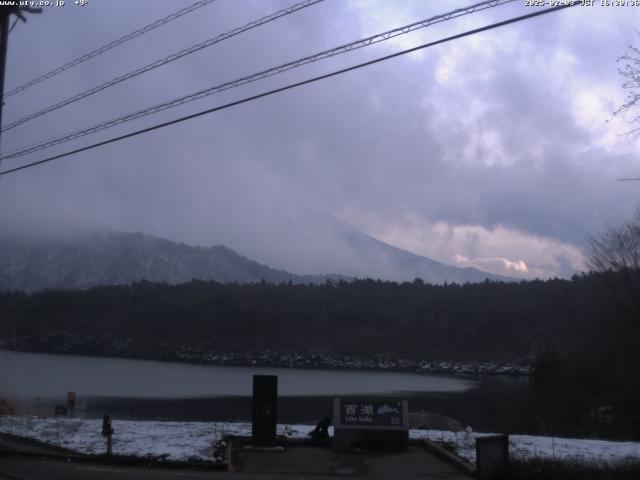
[529, 446]
[176, 440]
[184, 440]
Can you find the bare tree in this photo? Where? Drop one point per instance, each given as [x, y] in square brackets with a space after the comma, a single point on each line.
[616, 254]
[616, 249]
[631, 75]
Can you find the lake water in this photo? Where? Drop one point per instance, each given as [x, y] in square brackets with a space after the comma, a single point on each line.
[141, 389]
[138, 389]
[29, 375]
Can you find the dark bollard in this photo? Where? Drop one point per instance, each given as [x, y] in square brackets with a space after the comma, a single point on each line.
[492, 457]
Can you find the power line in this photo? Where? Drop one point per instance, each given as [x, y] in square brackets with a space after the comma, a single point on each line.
[291, 86]
[259, 76]
[165, 60]
[108, 46]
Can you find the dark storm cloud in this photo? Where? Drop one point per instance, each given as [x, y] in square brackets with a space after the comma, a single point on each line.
[491, 131]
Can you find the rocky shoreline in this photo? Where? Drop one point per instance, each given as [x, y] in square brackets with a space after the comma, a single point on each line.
[108, 345]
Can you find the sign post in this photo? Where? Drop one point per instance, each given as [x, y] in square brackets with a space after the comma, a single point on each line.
[107, 431]
[264, 408]
[71, 402]
[371, 423]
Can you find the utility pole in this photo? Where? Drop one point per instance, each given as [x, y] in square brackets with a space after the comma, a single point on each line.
[5, 14]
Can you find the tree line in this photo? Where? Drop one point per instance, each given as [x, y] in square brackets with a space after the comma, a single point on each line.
[553, 320]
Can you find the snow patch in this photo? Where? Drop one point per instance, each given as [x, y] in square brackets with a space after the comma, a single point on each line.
[197, 440]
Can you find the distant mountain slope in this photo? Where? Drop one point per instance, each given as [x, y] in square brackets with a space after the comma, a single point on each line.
[119, 258]
[322, 243]
[386, 261]
[85, 259]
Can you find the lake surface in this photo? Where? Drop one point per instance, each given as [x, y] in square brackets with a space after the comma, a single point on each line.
[29, 375]
[141, 389]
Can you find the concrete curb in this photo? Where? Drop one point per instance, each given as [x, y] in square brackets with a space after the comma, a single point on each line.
[230, 439]
[451, 458]
[286, 441]
[239, 442]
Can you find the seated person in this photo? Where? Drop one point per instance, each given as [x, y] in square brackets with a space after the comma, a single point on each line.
[322, 429]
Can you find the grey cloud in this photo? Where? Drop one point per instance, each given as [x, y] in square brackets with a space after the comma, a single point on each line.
[261, 177]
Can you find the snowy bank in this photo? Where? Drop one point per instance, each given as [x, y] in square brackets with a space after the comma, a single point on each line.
[173, 440]
[196, 440]
[597, 452]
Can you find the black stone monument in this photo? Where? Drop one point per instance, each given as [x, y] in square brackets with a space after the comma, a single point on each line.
[264, 410]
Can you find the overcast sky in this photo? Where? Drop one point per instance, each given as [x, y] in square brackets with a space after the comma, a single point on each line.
[491, 151]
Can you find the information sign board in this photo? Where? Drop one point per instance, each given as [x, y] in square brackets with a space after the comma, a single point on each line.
[371, 413]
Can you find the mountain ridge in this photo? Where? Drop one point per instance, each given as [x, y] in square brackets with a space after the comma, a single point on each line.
[114, 258]
[84, 260]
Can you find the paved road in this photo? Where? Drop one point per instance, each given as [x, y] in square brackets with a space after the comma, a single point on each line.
[297, 463]
[29, 468]
[301, 462]
[25, 445]
[16, 467]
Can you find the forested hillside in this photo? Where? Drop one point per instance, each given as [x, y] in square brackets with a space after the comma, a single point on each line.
[414, 320]
[580, 334]
[118, 258]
